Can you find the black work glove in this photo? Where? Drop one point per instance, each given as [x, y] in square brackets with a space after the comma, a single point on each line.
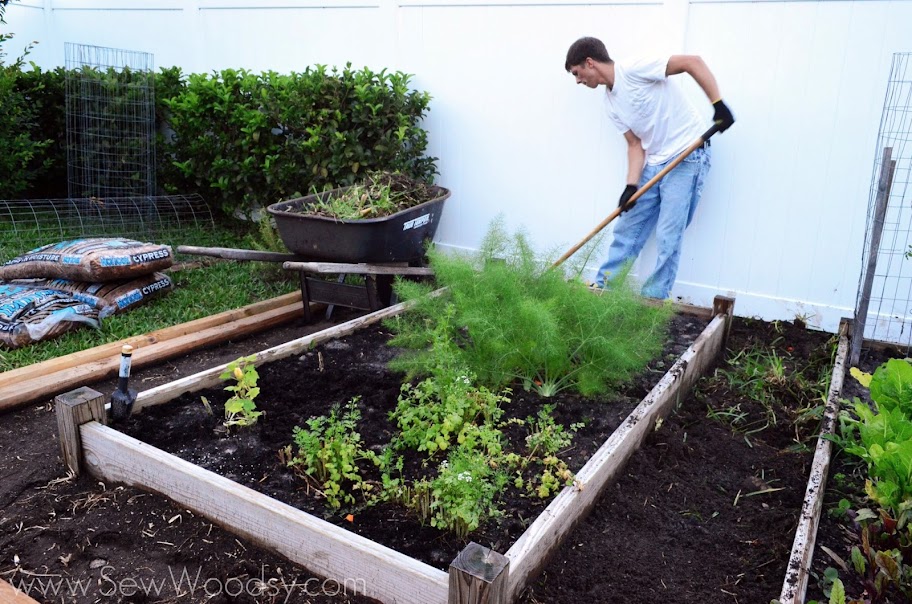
[723, 115]
[629, 190]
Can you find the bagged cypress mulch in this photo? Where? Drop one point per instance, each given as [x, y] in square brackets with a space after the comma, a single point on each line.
[91, 260]
[30, 315]
[108, 297]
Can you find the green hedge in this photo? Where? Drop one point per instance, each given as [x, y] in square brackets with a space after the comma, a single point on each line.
[25, 147]
[239, 139]
[253, 139]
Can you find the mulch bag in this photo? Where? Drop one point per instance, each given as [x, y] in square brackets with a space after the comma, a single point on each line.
[30, 315]
[108, 297]
[92, 260]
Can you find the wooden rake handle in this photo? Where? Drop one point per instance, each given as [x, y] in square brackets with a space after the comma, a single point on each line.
[671, 166]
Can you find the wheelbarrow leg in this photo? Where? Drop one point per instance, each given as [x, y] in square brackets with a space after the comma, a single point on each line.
[373, 298]
[331, 307]
[385, 289]
[305, 298]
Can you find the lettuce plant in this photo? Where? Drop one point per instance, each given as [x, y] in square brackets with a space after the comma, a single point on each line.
[881, 436]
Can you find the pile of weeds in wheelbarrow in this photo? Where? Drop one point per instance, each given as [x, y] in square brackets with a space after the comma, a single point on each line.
[378, 194]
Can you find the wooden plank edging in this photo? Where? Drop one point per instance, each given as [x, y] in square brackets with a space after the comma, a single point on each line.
[104, 351]
[210, 377]
[14, 595]
[799, 565]
[323, 548]
[530, 553]
[15, 395]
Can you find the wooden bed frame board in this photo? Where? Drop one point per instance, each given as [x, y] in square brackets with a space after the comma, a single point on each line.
[799, 566]
[43, 380]
[531, 551]
[12, 595]
[210, 377]
[315, 544]
[112, 349]
[338, 554]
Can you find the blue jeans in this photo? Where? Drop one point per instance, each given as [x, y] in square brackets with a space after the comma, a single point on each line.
[668, 207]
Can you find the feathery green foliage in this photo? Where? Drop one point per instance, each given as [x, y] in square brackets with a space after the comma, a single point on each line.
[510, 317]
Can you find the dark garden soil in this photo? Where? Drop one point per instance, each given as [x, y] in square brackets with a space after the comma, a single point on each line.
[701, 514]
[836, 534]
[300, 387]
[79, 540]
[696, 516]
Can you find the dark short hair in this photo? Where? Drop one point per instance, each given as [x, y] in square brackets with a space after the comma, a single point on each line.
[586, 48]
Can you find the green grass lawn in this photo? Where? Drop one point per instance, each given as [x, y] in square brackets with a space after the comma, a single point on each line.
[198, 292]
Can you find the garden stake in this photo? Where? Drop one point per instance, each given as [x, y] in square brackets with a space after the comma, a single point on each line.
[698, 143]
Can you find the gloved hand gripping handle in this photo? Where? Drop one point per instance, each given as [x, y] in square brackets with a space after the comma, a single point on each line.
[629, 203]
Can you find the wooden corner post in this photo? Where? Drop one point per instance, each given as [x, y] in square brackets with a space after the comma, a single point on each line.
[73, 409]
[875, 227]
[846, 325]
[724, 305]
[479, 575]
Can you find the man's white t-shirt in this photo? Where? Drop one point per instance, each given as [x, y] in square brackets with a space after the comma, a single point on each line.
[653, 108]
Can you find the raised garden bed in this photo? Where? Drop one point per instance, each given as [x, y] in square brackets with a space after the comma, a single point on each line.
[839, 530]
[707, 509]
[334, 552]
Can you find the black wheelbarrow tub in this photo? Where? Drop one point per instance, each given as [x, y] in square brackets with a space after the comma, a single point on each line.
[400, 237]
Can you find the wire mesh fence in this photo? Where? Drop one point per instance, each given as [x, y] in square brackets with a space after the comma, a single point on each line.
[31, 223]
[883, 309]
[110, 117]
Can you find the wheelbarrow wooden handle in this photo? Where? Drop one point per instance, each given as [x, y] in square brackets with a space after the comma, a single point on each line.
[671, 166]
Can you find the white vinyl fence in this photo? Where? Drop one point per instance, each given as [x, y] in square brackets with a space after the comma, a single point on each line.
[782, 220]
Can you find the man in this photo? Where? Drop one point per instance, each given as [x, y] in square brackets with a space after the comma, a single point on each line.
[658, 122]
